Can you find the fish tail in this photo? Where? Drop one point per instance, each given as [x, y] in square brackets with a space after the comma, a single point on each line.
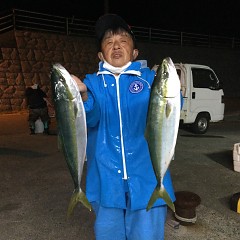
[160, 192]
[78, 196]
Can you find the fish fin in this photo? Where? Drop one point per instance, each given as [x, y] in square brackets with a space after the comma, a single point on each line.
[168, 109]
[76, 112]
[160, 192]
[146, 134]
[78, 196]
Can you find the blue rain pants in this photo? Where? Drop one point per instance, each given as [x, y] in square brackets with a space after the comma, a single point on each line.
[124, 224]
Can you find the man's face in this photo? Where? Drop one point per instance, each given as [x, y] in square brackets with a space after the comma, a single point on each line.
[118, 49]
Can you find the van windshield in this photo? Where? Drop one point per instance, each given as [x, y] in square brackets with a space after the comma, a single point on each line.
[205, 78]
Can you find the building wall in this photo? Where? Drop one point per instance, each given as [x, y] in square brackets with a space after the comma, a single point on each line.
[27, 57]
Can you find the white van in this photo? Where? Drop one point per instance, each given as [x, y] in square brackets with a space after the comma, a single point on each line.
[203, 96]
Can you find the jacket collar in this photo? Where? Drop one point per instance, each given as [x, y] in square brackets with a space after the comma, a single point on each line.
[134, 69]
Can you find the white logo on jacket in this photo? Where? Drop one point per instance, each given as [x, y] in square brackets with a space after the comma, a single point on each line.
[136, 87]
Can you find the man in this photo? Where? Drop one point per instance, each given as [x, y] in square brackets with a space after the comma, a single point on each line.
[37, 104]
[120, 176]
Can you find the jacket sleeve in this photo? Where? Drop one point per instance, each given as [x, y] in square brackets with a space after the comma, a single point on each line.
[91, 106]
[92, 110]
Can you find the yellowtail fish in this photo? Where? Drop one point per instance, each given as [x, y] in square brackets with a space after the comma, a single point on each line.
[72, 130]
[162, 125]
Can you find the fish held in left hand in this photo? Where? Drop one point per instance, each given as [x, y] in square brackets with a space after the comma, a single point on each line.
[72, 130]
[162, 125]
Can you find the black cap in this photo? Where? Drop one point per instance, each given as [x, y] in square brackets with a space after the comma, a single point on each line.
[111, 22]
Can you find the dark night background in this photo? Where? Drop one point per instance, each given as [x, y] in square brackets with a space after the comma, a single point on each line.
[203, 16]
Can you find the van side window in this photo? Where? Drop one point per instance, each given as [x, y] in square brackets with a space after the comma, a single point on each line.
[205, 78]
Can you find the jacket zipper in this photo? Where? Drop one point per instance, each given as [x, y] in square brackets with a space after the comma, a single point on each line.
[121, 134]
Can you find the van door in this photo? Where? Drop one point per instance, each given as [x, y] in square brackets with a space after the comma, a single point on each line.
[185, 91]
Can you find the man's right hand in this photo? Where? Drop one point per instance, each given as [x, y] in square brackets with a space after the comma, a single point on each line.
[82, 87]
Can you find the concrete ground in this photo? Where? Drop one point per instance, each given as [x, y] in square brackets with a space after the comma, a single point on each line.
[35, 184]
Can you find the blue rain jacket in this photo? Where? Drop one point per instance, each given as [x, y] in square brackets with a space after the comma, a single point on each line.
[118, 158]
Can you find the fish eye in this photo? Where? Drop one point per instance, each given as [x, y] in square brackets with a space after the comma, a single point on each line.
[165, 74]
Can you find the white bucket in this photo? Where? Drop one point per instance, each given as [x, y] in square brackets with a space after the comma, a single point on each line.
[236, 157]
[236, 166]
[39, 127]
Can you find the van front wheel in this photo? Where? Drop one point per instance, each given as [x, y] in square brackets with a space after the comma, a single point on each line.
[201, 124]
